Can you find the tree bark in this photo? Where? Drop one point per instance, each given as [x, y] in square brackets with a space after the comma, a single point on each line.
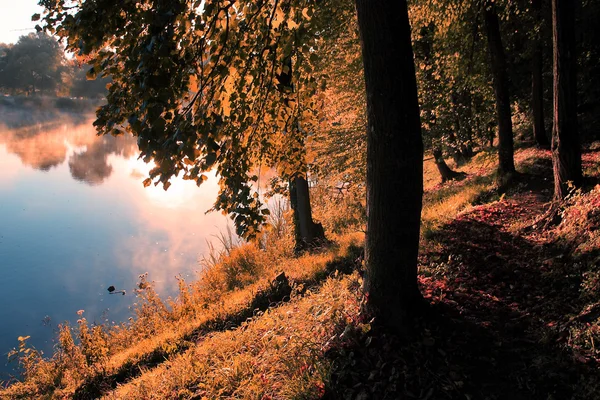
[506, 164]
[308, 233]
[445, 171]
[537, 84]
[394, 162]
[566, 151]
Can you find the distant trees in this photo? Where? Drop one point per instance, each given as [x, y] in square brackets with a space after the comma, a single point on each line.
[37, 64]
[80, 86]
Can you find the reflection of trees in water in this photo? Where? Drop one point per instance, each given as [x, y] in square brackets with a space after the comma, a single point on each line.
[46, 145]
[91, 166]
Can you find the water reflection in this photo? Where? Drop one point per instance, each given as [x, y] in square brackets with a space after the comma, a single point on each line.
[46, 145]
[63, 243]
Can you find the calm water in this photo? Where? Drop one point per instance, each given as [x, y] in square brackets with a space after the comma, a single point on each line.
[76, 219]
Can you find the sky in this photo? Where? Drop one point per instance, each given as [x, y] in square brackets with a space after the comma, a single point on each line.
[15, 19]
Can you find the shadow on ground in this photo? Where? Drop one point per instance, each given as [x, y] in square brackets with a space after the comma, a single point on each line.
[498, 325]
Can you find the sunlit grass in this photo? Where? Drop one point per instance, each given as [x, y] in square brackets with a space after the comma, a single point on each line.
[162, 329]
[442, 202]
[198, 343]
[275, 355]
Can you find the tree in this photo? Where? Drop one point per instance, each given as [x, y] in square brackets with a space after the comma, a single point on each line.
[446, 173]
[196, 83]
[198, 89]
[506, 164]
[394, 160]
[566, 151]
[35, 63]
[537, 82]
[308, 234]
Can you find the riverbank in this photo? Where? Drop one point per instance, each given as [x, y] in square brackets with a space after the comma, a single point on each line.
[513, 312]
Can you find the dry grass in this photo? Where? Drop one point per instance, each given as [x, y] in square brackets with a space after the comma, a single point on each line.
[276, 355]
[89, 357]
[198, 345]
[442, 202]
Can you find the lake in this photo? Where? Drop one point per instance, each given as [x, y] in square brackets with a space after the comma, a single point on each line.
[76, 219]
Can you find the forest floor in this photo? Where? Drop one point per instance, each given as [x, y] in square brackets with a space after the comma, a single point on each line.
[513, 308]
[513, 313]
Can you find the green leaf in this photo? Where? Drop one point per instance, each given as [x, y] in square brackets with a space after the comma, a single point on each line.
[35, 17]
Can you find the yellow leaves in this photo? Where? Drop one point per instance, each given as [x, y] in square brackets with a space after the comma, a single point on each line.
[193, 85]
[187, 25]
[307, 14]
[23, 338]
[278, 18]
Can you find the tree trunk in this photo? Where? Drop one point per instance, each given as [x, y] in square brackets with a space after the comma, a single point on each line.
[308, 233]
[566, 153]
[506, 164]
[446, 172]
[537, 84]
[467, 103]
[394, 162]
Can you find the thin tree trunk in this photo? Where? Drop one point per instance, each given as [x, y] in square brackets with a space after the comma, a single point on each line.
[446, 173]
[506, 164]
[308, 233]
[394, 162]
[566, 152]
[467, 147]
[537, 84]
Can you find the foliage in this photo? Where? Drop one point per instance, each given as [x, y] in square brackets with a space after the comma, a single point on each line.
[203, 85]
[36, 63]
[337, 148]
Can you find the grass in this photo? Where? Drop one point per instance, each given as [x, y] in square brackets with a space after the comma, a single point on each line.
[236, 284]
[510, 312]
[442, 202]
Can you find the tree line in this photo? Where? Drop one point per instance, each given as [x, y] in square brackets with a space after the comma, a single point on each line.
[354, 90]
[37, 65]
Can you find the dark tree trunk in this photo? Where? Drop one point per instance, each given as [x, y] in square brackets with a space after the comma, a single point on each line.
[446, 172]
[566, 153]
[467, 146]
[308, 233]
[394, 162]
[537, 84]
[455, 147]
[506, 164]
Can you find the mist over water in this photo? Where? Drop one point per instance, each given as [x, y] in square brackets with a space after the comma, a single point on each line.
[76, 219]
